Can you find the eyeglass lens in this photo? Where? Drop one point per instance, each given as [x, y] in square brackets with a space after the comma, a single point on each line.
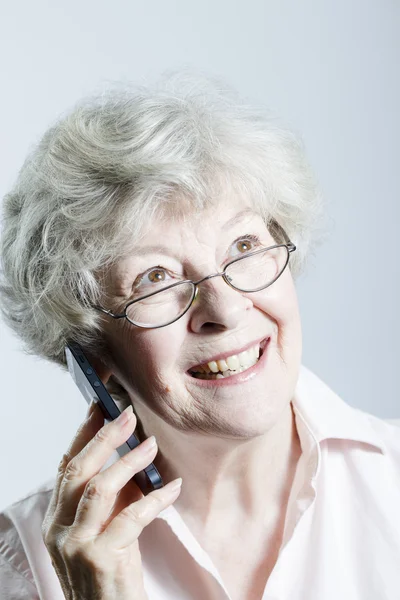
[250, 273]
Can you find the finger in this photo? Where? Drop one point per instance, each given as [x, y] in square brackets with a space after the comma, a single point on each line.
[128, 494]
[128, 525]
[93, 422]
[99, 495]
[87, 430]
[89, 461]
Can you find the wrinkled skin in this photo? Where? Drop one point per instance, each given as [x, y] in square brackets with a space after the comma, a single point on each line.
[93, 521]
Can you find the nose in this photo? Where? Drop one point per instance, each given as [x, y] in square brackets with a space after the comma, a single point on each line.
[218, 303]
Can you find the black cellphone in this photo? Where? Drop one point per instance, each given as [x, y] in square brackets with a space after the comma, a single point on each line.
[92, 388]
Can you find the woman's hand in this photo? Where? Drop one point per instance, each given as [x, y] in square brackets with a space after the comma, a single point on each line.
[94, 519]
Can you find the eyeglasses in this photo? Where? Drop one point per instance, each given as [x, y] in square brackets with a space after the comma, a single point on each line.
[165, 306]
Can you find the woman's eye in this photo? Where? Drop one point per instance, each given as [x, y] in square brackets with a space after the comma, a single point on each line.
[161, 275]
[153, 276]
[248, 241]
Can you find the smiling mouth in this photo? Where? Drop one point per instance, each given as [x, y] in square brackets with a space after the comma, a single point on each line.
[230, 372]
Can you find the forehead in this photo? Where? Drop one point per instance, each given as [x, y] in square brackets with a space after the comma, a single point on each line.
[175, 231]
[219, 218]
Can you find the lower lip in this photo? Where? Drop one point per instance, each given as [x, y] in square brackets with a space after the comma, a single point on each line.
[239, 377]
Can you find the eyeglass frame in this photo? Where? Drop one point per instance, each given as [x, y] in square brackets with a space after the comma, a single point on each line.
[289, 246]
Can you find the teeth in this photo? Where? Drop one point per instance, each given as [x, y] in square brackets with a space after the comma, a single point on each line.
[222, 365]
[233, 362]
[236, 362]
[213, 366]
[220, 375]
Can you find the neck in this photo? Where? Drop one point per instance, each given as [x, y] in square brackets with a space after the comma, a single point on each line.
[227, 481]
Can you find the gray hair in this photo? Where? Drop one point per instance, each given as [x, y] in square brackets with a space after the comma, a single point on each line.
[87, 192]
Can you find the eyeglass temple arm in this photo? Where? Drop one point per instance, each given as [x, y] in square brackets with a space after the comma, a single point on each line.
[279, 229]
[108, 312]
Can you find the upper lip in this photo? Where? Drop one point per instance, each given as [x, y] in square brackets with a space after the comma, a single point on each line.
[224, 355]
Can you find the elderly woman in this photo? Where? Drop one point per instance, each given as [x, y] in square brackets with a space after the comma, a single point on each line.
[183, 192]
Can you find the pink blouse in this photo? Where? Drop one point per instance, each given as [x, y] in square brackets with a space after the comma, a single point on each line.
[342, 530]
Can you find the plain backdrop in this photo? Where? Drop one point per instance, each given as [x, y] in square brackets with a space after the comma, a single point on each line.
[329, 68]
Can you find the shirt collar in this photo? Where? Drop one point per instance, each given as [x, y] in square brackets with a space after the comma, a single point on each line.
[327, 416]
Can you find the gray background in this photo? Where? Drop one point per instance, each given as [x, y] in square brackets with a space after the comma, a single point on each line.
[330, 69]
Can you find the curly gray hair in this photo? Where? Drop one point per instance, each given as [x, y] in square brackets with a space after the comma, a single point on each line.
[90, 187]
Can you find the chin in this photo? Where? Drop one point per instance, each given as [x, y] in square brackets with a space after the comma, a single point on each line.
[252, 416]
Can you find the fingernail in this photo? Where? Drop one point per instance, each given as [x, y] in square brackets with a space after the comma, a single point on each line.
[125, 416]
[148, 444]
[174, 485]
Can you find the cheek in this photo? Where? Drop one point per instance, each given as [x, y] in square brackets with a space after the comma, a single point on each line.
[280, 305]
[279, 301]
[147, 357]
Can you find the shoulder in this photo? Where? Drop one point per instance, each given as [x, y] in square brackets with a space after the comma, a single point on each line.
[388, 433]
[21, 541]
[337, 421]
[369, 473]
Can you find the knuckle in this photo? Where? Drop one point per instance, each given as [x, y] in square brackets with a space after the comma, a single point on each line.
[49, 538]
[104, 435]
[95, 490]
[66, 458]
[138, 512]
[134, 513]
[74, 550]
[154, 503]
[68, 548]
[73, 469]
[127, 462]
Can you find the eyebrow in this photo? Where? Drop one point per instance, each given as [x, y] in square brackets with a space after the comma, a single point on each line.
[228, 225]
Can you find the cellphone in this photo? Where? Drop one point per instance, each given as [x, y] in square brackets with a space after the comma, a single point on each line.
[92, 388]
